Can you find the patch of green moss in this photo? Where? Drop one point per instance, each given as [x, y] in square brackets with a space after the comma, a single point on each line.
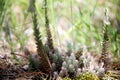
[66, 79]
[112, 75]
[87, 76]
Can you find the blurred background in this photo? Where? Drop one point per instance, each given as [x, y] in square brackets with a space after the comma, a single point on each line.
[74, 24]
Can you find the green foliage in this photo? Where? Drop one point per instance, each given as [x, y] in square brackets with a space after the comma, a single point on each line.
[12, 28]
[3, 8]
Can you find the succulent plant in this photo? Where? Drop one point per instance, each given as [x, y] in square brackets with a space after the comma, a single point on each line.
[34, 62]
[69, 66]
[87, 63]
[100, 71]
[63, 72]
[57, 60]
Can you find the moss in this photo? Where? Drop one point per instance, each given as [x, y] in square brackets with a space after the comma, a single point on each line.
[88, 76]
[66, 79]
[112, 75]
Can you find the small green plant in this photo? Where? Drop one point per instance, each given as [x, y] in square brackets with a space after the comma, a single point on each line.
[69, 66]
[105, 44]
[44, 60]
[49, 36]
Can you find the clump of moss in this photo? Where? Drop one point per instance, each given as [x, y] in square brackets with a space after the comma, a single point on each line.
[66, 79]
[112, 75]
[87, 76]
